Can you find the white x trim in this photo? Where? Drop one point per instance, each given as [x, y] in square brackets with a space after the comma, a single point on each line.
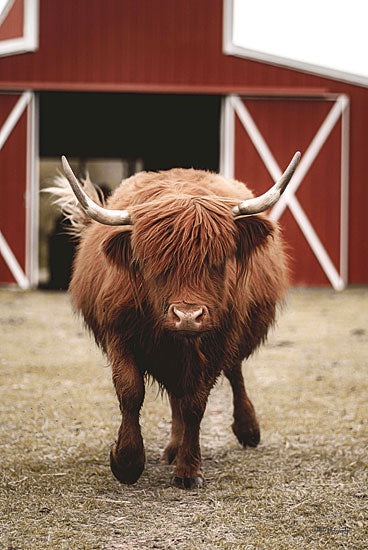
[25, 100]
[234, 104]
[13, 264]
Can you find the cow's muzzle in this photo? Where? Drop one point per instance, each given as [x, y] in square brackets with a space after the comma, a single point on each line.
[187, 318]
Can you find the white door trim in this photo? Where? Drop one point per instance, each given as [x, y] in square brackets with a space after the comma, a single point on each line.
[13, 117]
[233, 104]
[32, 193]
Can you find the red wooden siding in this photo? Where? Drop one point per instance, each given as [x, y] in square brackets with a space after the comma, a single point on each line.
[135, 45]
[176, 46]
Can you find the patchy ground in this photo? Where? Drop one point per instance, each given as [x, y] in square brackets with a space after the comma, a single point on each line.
[305, 486]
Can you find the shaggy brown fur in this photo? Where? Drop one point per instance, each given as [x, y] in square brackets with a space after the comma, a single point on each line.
[184, 247]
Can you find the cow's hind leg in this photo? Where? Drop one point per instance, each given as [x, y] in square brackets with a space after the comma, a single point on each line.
[245, 425]
[127, 455]
[177, 430]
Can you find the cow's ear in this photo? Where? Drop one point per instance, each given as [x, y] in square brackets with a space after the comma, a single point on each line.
[116, 247]
[253, 232]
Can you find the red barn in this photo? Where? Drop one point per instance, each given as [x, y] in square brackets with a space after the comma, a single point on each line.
[159, 80]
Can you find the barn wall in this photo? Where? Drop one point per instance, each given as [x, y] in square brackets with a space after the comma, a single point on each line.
[172, 46]
[133, 45]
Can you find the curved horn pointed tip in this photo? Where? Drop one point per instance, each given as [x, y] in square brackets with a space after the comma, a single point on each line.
[66, 167]
[296, 158]
[65, 163]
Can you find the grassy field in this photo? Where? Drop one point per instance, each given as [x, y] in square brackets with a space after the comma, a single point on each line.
[305, 486]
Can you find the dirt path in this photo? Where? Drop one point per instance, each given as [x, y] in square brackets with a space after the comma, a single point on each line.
[305, 486]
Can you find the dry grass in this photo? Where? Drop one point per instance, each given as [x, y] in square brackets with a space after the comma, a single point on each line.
[305, 486]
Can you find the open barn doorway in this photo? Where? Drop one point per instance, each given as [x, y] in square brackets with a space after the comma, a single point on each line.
[111, 136]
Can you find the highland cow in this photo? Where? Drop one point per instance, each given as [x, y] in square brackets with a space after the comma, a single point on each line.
[178, 277]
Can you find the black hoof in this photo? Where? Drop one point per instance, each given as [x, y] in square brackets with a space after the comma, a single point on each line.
[187, 482]
[126, 474]
[247, 438]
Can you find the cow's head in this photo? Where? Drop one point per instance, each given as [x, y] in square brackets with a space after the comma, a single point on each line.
[184, 254]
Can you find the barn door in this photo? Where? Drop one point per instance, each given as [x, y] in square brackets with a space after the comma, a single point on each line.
[19, 190]
[259, 138]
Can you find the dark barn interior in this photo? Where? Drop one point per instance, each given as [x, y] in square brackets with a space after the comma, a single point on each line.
[162, 130]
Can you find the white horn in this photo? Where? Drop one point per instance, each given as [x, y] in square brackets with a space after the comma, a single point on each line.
[268, 199]
[93, 210]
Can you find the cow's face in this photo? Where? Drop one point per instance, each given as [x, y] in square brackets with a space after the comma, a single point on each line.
[186, 256]
[190, 299]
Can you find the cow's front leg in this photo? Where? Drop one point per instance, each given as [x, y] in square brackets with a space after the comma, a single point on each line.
[127, 455]
[245, 425]
[177, 429]
[188, 473]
